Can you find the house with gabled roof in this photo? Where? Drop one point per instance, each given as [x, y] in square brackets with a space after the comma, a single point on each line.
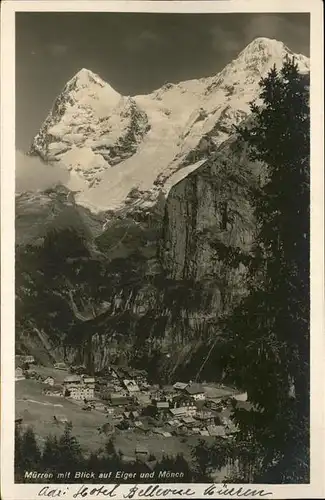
[118, 399]
[141, 451]
[216, 430]
[49, 381]
[162, 405]
[143, 398]
[19, 374]
[131, 386]
[54, 390]
[180, 412]
[72, 380]
[60, 366]
[76, 388]
[196, 391]
[180, 386]
[241, 397]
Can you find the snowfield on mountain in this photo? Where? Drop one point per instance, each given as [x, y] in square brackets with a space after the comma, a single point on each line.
[123, 150]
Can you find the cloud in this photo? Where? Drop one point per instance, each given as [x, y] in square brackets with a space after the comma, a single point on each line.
[145, 39]
[34, 175]
[57, 49]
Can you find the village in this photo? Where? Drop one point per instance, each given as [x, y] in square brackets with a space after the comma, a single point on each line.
[131, 405]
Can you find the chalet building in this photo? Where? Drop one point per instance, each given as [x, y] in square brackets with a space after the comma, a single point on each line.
[61, 366]
[206, 417]
[89, 381]
[131, 415]
[175, 423]
[162, 406]
[117, 418]
[141, 376]
[72, 380]
[225, 417]
[189, 421]
[216, 430]
[120, 391]
[131, 386]
[28, 359]
[161, 432]
[102, 381]
[78, 388]
[155, 395]
[213, 404]
[150, 464]
[105, 394]
[118, 400]
[143, 398]
[181, 412]
[241, 397]
[184, 402]
[60, 419]
[19, 374]
[142, 426]
[49, 381]
[169, 394]
[126, 459]
[115, 372]
[141, 452]
[54, 390]
[78, 370]
[98, 405]
[81, 392]
[244, 405]
[196, 391]
[180, 386]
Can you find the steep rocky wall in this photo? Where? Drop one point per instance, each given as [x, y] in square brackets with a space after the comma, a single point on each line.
[208, 209]
[207, 214]
[166, 277]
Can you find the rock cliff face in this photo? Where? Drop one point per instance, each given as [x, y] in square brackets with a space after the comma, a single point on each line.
[165, 277]
[134, 263]
[210, 204]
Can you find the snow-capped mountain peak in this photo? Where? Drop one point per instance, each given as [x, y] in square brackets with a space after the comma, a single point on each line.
[126, 151]
[261, 44]
[263, 50]
[86, 85]
[85, 76]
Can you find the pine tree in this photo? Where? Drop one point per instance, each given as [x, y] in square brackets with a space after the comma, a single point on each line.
[267, 336]
[30, 453]
[51, 454]
[19, 473]
[69, 450]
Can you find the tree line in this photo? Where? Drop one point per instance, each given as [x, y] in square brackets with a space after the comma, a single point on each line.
[64, 454]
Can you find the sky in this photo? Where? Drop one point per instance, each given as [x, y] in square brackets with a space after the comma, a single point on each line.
[136, 53]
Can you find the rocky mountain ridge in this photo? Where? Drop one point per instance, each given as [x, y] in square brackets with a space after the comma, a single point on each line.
[113, 145]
